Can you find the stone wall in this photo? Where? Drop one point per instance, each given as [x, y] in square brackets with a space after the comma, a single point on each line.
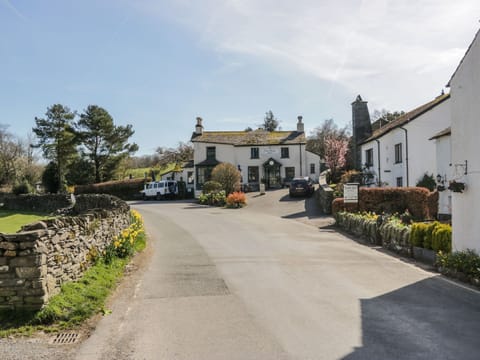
[36, 261]
[324, 195]
[37, 203]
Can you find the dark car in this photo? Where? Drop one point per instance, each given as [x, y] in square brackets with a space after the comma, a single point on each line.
[301, 187]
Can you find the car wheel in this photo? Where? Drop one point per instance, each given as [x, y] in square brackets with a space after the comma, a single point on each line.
[159, 196]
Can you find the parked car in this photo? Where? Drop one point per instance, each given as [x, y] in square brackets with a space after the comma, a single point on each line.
[301, 187]
[160, 189]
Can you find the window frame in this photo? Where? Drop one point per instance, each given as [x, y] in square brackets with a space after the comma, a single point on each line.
[398, 153]
[284, 152]
[211, 152]
[254, 153]
[253, 170]
[369, 157]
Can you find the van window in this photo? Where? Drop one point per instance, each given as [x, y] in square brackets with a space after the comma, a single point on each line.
[161, 185]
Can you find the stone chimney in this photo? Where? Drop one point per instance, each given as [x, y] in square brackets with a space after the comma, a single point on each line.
[300, 125]
[362, 128]
[199, 127]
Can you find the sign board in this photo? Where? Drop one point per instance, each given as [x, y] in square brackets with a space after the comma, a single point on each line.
[350, 193]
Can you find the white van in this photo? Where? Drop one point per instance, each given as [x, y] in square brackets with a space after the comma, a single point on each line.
[160, 189]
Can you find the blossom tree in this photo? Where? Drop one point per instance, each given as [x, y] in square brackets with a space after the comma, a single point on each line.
[336, 149]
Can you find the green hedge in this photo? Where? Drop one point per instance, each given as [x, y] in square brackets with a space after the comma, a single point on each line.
[432, 236]
[124, 189]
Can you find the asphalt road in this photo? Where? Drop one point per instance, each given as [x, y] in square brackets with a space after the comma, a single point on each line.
[273, 281]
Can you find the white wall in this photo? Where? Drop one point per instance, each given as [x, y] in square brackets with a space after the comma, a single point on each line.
[465, 93]
[422, 154]
[421, 151]
[443, 153]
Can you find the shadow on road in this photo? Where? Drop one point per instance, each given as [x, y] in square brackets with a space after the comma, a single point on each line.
[430, 319]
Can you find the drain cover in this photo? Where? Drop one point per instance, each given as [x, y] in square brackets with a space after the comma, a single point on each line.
[65, 338]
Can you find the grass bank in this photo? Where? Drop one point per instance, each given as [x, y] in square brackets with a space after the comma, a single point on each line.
[80, 300]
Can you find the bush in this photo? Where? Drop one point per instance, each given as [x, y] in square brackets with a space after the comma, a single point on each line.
[466, 262]
[427, 240]
[213, 198]
[23, 188]
[442, 238]
[211, 186]
[227, 175]
[427, 181]
[236, 199]
[417, 234]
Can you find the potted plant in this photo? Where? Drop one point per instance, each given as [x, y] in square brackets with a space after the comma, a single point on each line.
[456, 186]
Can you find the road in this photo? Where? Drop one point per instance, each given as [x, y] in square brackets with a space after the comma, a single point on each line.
[271, 281]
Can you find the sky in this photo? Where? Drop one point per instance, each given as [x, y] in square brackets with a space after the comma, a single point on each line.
[158, 64]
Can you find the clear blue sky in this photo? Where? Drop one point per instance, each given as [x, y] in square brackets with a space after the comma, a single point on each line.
[159, 64]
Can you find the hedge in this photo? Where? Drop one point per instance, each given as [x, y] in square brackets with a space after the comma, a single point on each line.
[420, 202]
[124, 189]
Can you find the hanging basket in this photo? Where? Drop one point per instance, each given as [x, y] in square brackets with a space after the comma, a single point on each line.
[455, 186]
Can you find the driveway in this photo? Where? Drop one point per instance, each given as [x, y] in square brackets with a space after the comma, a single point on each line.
[273, 281]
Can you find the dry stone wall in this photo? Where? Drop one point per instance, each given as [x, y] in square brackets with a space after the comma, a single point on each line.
[36, 261]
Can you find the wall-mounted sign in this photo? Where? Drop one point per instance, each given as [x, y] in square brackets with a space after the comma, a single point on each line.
[350, 193]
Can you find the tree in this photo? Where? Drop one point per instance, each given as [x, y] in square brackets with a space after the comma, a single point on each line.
[336, 149]
[182, 153]
[382, 117]
[102, 142]
[11, 151]
[316, 142]
[270, 123]
[227, 175]
[57, 139]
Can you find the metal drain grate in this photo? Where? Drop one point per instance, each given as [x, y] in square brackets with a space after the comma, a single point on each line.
[65, 338]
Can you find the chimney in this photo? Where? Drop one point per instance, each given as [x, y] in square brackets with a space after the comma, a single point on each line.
[199, 127]
[362, 128]
[300, 125]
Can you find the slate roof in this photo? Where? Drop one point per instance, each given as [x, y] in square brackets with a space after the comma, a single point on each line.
[442, 133]
[407, 117]
[248, 138]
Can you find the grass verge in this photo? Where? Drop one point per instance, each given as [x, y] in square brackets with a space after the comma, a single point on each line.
[76, 302]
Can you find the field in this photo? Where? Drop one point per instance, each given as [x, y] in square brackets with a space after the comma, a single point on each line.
[12, 221]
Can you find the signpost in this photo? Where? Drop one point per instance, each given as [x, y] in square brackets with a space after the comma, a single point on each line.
[350, 193]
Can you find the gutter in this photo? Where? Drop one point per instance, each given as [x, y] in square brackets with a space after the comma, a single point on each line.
[406, 152]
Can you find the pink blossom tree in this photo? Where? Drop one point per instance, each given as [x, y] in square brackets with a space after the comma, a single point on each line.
[336, 149]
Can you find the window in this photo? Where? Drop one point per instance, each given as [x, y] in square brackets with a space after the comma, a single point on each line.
[204, 174]
[211, 153]
[254, 153]
[312, 168]
[190, 177]
[289, 172]
[368, 158]
[399, 181]
[398, 153]
[253, 174]
[284, 153]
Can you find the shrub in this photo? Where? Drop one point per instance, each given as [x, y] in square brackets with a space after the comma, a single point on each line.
[213, 198]
[211, 186]
[417, 234]
[427, 181]
[236, 199]
[348, 177]
[442, 238]
[427, 240]
[466, 262]
[227, 175]
[23, 188]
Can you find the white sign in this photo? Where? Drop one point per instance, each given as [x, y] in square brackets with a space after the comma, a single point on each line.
[350, 193]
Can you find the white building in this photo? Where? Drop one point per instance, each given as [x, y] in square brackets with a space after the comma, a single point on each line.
[272, 157]
[465, 135]
[401, 152]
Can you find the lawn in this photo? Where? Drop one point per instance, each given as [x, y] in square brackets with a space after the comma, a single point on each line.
[12, 221]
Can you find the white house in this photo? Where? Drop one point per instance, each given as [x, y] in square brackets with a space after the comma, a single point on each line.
[401, 152]
[465, 135]
[272, 157]
[443, 146]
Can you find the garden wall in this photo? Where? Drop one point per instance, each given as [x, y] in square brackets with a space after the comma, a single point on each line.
[36, 261]
[324, 195]
[124, 189]
[35, 203]
[420, 202]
